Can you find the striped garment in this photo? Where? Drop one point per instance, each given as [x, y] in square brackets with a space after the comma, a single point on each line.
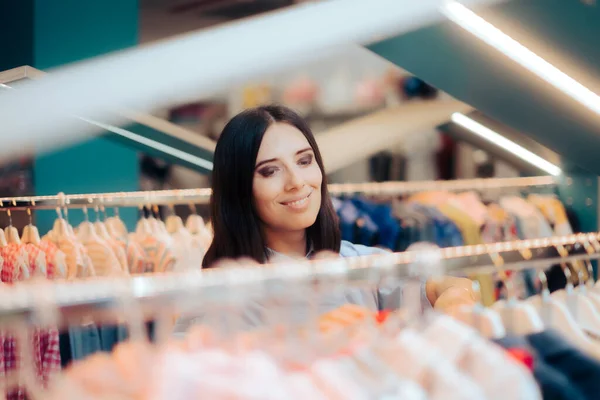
[104, 260]
[36, 259]
[45, 350]
[159, 256]
[56, 260]
[15, 266]
[136, 257]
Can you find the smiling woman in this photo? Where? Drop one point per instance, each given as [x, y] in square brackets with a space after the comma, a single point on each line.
[270, 203]
[269, 189]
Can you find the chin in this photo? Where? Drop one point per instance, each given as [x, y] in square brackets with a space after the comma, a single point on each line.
[301, 223]
[298, 222]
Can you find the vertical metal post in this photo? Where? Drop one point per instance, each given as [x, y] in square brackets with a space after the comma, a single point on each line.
[579, 191]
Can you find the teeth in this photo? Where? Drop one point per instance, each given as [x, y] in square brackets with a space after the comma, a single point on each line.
[297, 202]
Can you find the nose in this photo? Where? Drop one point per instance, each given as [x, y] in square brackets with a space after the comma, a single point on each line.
[294, 180]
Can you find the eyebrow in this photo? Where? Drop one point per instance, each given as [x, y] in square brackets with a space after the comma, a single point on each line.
[274, 159]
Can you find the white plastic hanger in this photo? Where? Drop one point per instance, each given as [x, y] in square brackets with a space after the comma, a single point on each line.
[485, 320]
[519, 318]
[580, 307]
[587, 288]
[70, 229]
[194, 222]
[174, 224]
[100, 226]
[60, 228]
[556, 315]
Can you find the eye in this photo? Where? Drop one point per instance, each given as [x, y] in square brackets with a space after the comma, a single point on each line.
[306, 160]
[268, 171]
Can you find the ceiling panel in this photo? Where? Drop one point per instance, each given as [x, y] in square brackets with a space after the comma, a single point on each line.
[564, 32]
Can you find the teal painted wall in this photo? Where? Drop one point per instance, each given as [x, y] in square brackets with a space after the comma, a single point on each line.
[66, 31]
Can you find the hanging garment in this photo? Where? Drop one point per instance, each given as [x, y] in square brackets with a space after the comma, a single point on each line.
[582, 371]
[56, 260]
[554, 384]
[14, 265]
[554, 211]
[136, 258]
[36, 259]
[532, 223]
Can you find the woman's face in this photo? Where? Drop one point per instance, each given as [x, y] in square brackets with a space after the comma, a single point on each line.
[287, 180]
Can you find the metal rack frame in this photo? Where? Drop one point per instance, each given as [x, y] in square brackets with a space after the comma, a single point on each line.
[202, 196]
[102, 296]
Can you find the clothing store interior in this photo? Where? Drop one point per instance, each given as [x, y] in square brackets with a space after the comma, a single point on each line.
[452, 251]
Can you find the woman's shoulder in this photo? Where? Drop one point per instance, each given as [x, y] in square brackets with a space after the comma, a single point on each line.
[348, 249]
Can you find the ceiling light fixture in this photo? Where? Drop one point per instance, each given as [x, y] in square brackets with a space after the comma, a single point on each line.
[182, 155]
[493, 36]
[508, 145]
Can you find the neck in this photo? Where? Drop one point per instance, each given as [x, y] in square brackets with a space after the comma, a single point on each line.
[289, 243]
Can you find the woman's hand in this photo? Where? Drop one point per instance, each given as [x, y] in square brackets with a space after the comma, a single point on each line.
[448, 293]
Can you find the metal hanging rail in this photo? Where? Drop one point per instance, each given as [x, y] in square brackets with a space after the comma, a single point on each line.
[152, 292]
[202, 196]
[392, 188]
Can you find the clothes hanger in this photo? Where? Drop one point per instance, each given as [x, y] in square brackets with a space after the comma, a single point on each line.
[86, 231]
[581, 307]
[12, 234]
[30, 231]
[194, 222]
[174, 222]
[415, 360]
[556, 315]
[100, 226]
[587, 288]
[119, 230]
[519, 318]
[70, 228]
[3, 242]
[143, 228]
[485, 320]
[153, 221]
[111, 228]
[60, 228]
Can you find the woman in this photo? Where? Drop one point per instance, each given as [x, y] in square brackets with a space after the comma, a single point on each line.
[270, 199]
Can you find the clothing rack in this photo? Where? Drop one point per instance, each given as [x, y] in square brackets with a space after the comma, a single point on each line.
[202, 196]
[397, 188]
[152, 293]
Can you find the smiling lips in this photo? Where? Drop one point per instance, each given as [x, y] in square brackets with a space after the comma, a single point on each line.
[297, 204]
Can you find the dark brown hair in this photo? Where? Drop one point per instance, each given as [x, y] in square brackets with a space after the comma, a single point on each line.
[237, 227]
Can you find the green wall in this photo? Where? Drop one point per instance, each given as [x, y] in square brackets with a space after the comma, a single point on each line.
[49, 33]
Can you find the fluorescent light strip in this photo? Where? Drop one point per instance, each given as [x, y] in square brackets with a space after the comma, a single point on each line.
[182, 155]
[491, 35]
[508, 145]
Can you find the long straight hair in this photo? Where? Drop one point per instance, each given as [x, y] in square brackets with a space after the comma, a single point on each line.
[237, 228]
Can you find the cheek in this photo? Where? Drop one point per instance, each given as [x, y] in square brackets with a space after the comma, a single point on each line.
[313, 176]
[264, 192]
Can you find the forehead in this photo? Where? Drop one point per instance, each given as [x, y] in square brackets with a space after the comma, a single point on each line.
[281, 140]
